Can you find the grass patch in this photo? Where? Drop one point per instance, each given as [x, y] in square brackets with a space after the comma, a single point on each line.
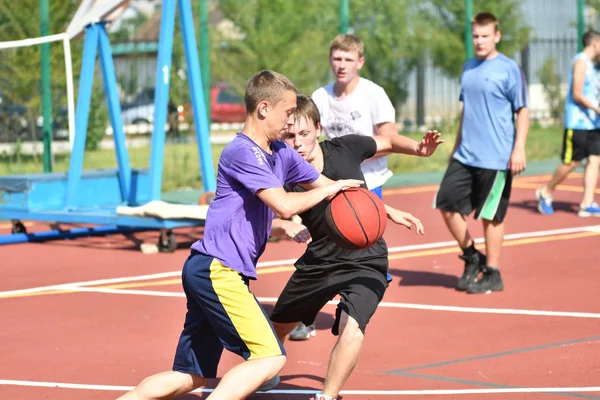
[181, 167]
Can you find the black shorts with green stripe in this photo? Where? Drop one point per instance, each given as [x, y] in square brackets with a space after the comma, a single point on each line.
[465, 188]
[578, 144]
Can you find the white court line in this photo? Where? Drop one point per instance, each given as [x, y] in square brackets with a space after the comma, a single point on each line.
[400, 249]
[428, 307]
[60, 385]
[512, 236]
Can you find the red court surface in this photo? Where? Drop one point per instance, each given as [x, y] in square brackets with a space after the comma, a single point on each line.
[89, 318]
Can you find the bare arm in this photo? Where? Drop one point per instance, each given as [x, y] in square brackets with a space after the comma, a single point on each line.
[578, 80]
[388, 130]
[403, 145]
[286, 205]
[291, 229]
[518, 160]
[404, 218]
[458, 134]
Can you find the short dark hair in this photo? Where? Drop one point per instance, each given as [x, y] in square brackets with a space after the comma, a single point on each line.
[485, 18]
[268, 86]
[589, 37]
[306, 108]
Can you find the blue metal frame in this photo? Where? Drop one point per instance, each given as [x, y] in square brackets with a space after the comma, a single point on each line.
[114, 112]
[86, 80]
[197, 93]
[161, 96]
[93, 199]
[96, 38]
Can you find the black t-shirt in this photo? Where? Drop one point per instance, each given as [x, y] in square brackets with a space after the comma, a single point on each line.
[342, 159]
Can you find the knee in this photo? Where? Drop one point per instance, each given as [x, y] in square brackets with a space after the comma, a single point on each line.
[278, 364]
[593, 161]
[447, 215]
[572, 165]
[351, 334]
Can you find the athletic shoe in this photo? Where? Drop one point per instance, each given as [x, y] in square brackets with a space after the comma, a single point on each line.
[303, 332]
[544, 203]
[270, 384]
[473, 265]
[489, 282]
[388, 277]
[321, 396]
[593, 210]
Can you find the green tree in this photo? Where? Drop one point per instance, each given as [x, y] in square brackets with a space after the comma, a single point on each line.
[290, 37]
[20, 67]
[443, 33]
[390, 54]
[551, 82]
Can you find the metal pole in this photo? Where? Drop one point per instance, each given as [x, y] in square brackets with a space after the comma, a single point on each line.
[196, 90]
[470, 52]
[45, 87]
[580, 23]
[344, 15]
[205, 55]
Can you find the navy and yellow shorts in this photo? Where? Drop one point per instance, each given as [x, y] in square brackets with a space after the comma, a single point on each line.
[221, 313]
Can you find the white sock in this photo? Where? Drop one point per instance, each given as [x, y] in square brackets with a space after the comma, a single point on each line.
[321, 396]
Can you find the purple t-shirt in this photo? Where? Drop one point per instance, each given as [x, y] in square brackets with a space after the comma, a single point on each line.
[238, 223]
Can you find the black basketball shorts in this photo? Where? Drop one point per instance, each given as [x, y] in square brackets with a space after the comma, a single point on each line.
[579, 144]
[465, 188]
[309, 289]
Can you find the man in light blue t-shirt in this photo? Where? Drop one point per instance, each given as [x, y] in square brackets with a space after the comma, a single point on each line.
[582, 130]
[489, 150]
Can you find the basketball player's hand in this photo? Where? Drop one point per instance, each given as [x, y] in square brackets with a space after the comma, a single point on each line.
[427, 146]
[517, 162]
[341, 185]
[298, 232]
[406, 219]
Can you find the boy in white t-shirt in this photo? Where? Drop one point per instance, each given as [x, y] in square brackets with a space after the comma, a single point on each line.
[353, 105]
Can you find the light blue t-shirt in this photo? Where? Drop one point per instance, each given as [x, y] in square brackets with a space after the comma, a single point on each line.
[576, 115]
[492, 92]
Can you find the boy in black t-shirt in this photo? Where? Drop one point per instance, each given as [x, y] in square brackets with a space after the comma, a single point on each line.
[325, 269]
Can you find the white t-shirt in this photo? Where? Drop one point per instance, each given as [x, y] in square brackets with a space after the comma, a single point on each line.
[357, 113]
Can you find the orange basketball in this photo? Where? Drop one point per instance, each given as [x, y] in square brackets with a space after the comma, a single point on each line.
[356, 219]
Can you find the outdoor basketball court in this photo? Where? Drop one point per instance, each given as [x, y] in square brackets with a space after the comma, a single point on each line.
[90, 318]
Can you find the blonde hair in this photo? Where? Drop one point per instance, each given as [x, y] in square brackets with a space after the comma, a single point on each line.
[267, 86]
[347, 42]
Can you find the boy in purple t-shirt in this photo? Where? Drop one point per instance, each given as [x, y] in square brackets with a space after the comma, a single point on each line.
[221, 310]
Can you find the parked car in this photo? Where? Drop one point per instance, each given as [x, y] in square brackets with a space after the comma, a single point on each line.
[141, 109]
[13, 120]
[226, 105]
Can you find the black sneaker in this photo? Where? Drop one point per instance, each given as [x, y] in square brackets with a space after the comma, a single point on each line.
[490, 282]
[473, 265]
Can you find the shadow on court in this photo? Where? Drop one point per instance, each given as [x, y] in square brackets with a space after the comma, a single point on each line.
[423, 278]
[532, 205]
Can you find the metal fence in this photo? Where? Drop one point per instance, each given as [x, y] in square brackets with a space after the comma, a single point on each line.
[553, 37]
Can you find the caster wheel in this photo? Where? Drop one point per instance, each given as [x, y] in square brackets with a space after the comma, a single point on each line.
[167, 242]
[18, 227]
